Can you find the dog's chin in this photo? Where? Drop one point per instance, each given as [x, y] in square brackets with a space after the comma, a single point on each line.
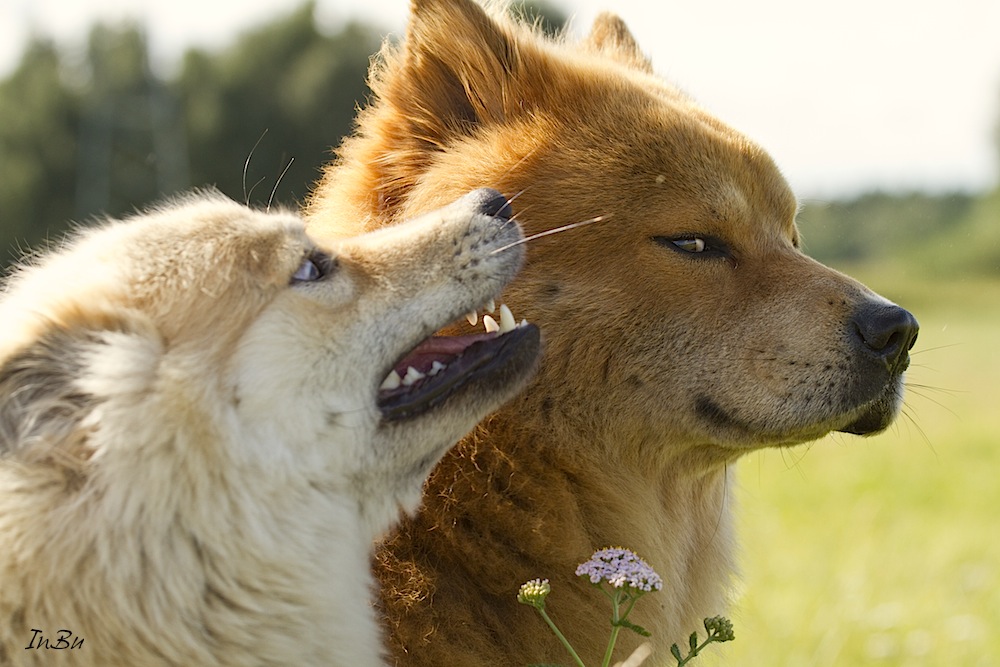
[419, 425]
[427, 421]
[876, 416]
[863, 418]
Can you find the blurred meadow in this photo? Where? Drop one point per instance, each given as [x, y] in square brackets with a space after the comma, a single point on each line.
[877, 551]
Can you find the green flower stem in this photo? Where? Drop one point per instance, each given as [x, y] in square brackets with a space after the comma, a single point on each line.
[696, 651]
[611, 645]
[630, 605]
[616, 627]
[616, 622]
[562, 638]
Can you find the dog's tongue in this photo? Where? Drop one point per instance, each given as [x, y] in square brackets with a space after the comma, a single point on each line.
[438, 348]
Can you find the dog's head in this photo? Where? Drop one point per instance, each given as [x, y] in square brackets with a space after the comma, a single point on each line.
[205, 341]
[689, 314]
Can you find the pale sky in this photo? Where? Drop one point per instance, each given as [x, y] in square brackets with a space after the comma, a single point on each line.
[846, 96]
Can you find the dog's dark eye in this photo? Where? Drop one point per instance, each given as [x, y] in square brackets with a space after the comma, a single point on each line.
[315, 266]
[703, 246]
[691, 245]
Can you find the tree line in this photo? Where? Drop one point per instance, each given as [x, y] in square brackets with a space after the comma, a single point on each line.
[102, 133]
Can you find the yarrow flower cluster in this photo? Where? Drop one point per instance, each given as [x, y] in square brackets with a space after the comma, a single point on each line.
[631, 578]
[620, 567]
[534, 592]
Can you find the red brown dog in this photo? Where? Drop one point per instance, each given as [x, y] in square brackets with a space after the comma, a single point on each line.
[684, 330]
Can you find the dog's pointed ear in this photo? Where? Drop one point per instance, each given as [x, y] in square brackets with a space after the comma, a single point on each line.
[459, 65]
[459, 69]
[610, 37]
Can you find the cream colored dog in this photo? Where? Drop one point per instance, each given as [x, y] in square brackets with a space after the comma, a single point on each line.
[205, 420]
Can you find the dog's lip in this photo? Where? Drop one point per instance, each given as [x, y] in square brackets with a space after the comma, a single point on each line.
[878, 414]
[465, 359]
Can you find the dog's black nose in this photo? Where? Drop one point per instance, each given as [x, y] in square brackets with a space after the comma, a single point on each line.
[493, 203]
[888, 332]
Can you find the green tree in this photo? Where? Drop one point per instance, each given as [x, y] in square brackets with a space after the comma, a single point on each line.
[877, 225]
[109, 136]
[285, 93]
[39, 114]
[131, 141]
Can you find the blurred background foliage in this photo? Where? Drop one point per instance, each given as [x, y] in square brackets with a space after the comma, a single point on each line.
[102, 133]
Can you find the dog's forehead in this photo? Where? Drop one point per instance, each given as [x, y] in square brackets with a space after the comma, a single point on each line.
[738, 181]
[752, 201]
[212, 238]
[222, 224]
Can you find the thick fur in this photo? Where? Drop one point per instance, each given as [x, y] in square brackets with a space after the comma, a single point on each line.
[192, 464]
[662, 365]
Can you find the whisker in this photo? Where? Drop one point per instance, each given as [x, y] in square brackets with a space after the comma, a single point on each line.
[796, 455]
[514, 198]
[912, 421]
[936, 402]
[517, 164]
[246, 167]
[934, 349]
[925, 366]
[722, 505]
[940, 390]
[522, 212]
[254, 187]
[278, 182]
[549, 232]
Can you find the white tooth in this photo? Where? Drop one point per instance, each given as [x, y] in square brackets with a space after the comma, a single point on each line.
[523, 323]
[491, 324]
[507, 321]
[412, 375]
[472, 317]
[392, 381]
[490, 306]
[437, 367]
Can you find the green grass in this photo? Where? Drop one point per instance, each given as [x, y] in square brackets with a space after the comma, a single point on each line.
[885, 550]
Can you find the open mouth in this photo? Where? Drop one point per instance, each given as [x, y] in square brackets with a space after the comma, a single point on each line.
[442, 365]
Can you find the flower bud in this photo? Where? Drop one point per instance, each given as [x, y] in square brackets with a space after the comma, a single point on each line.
[534, 592]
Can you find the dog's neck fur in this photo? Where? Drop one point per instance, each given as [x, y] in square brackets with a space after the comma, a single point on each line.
[540, 508]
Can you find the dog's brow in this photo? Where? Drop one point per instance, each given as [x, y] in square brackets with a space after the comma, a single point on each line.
[731, 201]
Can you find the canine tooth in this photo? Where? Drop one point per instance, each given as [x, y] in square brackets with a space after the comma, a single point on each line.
[412, 375]
[436, 368]
[490, 324]
[490, 306]
[507, 321]
[523, 323]
[472, 317]
[391, 381]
